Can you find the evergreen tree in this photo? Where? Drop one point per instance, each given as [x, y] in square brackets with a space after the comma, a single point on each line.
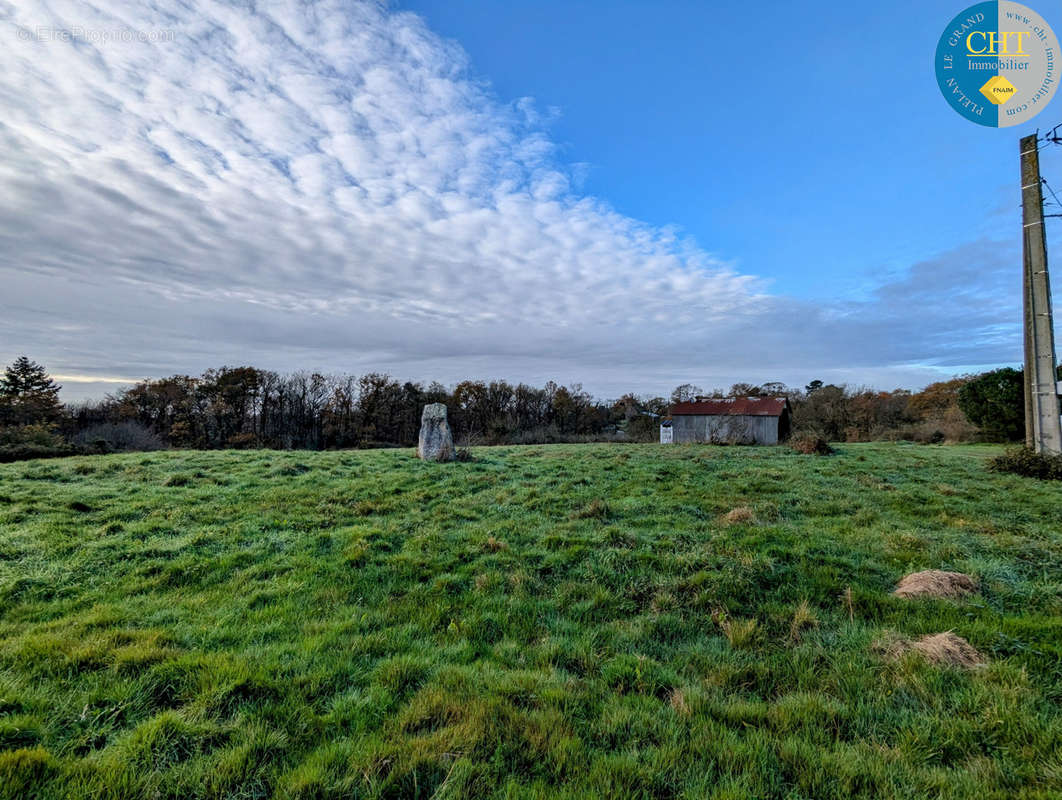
[28, 396]
[995, 402]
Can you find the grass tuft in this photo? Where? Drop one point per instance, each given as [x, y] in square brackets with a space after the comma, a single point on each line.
[804, 618]
[494, 545]
[595, 509]
[741, 633]
[24, 771]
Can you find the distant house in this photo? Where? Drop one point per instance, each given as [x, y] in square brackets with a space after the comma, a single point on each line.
[731, 420]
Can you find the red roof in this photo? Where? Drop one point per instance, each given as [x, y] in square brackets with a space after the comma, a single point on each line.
[721, 406]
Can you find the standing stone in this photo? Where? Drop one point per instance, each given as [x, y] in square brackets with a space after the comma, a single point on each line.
[436, 441]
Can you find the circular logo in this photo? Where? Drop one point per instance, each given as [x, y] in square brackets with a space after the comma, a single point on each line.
[997, 63]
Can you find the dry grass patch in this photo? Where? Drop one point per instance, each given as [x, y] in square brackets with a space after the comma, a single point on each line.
[943, 649]
[803, 618]
[848, 601]
[741, 633]
[874, 482]
[739, 515]
[595, 509]
[494, 545]
[936, 583]
[678, 701]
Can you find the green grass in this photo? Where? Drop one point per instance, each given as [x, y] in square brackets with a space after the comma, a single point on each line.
[549, 621]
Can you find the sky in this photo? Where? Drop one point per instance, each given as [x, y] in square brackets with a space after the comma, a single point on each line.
[630, 195]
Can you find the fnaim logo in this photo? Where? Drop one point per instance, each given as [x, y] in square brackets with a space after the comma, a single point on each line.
[997, 63]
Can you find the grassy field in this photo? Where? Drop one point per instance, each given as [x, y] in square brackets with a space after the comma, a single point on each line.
[548, 621]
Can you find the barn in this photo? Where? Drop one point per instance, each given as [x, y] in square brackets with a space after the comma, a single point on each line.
[731, 420]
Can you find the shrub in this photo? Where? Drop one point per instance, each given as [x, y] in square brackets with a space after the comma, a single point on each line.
[551, 434]
[32, 435]
[109, 437]
[1028, 463]
[995, 403]
[241, 441]
[810, 444]
[23, 442]
[949, 426]
[24, 452]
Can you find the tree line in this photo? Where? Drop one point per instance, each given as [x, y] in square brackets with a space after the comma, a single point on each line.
[247, 407]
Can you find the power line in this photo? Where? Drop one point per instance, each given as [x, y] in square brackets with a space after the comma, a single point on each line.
[1052, 191]
[1051, 137]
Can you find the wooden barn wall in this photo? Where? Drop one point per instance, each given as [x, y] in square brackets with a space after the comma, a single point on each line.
[730, 428]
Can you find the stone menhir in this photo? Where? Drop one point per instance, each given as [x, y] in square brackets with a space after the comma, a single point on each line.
[436, 441]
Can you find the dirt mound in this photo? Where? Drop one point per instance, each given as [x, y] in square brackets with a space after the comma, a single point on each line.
[739, 514]
[936, 583]
[943, 649]
[949, 649]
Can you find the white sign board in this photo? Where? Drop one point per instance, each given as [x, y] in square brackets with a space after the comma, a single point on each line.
[666, 434]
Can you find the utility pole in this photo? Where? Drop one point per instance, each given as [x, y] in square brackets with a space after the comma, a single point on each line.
[1043, 429]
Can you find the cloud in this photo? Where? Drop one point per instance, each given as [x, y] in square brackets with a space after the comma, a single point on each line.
[328, 186]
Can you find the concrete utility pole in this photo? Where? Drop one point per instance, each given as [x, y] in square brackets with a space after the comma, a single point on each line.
[1043, 429]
